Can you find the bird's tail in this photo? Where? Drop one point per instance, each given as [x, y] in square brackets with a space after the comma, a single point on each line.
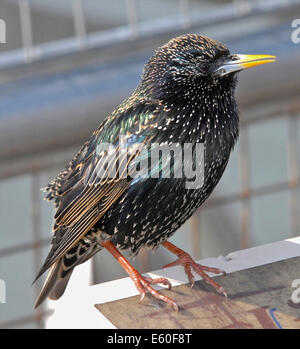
[55, 284]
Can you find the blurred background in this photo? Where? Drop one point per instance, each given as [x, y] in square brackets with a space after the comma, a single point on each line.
[66, 64]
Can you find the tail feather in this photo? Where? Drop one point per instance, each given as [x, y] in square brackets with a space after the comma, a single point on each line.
[60, 287]
[55, 285]
[61, 270]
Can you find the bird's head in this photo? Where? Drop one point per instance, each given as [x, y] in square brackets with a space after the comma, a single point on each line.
[192, 62]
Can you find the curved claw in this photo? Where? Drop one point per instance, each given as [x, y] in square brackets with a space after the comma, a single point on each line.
[188, 263]
[143, 285]
[142, 297]
[175, 307]
[222, 291]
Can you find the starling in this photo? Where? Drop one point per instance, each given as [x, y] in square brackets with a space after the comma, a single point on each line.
[186, 96]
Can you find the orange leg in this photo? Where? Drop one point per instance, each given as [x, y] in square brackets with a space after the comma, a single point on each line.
[188, 263]
[141, 283]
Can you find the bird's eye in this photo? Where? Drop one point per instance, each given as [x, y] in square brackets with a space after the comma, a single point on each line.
[233, 57]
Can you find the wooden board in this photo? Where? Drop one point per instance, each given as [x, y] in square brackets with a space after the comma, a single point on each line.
[259, 297]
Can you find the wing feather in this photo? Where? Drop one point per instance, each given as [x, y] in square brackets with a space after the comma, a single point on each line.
[81, 192]
[90, 217]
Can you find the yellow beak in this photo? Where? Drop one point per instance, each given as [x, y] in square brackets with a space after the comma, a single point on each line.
[239, 62]
[248, 61]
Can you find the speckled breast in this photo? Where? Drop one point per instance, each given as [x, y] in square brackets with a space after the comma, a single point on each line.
[153, 209]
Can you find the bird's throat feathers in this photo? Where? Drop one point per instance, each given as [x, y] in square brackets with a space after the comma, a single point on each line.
[200, 110]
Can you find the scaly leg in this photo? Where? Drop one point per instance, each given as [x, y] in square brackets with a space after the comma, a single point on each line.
[188, 263]
[141, 283]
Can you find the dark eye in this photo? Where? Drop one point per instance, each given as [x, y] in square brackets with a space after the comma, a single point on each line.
[233, 57]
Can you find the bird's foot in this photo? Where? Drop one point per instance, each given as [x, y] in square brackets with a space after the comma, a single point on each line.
[143, 284]
[189, 264]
